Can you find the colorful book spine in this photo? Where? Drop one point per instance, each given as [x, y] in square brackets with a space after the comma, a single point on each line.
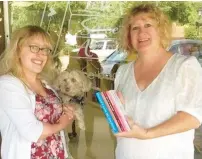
[107, 114]
[119, 108]
[110, 111]
[113, 111]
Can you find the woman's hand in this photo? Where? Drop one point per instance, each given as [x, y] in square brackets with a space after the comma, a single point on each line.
[135, 132]
[68, 116]
[65, 119]
[69, 110]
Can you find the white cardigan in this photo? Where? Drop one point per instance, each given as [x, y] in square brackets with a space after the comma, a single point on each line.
[18, 125]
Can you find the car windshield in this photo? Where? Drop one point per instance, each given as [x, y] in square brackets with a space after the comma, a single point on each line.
[188, 48]
[97, 45]
[116, 56]
[102, 45]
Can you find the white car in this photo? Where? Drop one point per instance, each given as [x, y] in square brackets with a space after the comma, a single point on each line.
[103, 48]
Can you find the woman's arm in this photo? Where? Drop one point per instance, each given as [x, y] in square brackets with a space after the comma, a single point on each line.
[65, 119]
[188, 105]
[17, 106]
[179, 123]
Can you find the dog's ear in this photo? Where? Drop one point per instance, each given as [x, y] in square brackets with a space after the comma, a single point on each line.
[87, 84]
[55, 83]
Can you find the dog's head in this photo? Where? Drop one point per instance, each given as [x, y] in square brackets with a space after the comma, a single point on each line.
[72, 83]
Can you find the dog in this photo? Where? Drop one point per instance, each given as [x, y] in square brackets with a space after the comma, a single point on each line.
[71, 86]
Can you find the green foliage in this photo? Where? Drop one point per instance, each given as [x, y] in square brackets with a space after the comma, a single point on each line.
[104, 14]
[95, 15]
[32, 13]
[181, 12]
[191, 32]
[24, 14]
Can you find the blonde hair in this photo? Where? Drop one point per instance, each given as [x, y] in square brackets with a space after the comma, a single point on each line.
[9, 60]
[162, 21]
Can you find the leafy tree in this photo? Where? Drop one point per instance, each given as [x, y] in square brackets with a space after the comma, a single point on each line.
[191, 32]
[94, 14]
[181, 12]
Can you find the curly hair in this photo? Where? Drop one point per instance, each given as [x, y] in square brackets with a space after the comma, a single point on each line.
[9, 60]
[163, 24]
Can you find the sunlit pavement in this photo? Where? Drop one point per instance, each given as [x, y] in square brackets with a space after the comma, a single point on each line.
[96, 142]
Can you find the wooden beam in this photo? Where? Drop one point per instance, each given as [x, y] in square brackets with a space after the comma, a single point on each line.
[2, 31]
[2, 41]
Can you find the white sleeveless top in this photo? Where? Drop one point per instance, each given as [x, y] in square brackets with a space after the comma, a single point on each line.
[178, 87]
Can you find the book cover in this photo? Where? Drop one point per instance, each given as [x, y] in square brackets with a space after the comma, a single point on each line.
[111, 105]
[110, 111]
[119, 108]
[106, 112]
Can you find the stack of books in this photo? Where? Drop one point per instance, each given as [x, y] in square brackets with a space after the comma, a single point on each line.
[113, 110]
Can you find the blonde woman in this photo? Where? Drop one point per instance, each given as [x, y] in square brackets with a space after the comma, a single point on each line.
[31, 114]
[162, 91]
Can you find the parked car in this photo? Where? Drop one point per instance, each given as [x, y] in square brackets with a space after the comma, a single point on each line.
[111, 63]
[186, 47]
[183, 46]
[103, 48]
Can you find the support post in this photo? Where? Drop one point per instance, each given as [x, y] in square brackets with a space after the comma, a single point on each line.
[2, 31]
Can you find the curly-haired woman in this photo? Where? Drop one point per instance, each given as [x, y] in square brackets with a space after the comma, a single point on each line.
[162, 91]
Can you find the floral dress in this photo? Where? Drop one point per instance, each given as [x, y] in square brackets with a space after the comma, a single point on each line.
[48, 109]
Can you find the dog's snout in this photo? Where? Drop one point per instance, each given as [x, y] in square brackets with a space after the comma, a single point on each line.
[67, 89]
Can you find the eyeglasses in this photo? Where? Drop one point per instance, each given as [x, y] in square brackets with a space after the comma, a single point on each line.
[35, 49]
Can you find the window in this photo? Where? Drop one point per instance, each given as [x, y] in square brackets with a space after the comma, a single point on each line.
[99, 45]
[190, 49]
[174, 49]
[117, 56]
[185, 49]
[111, 45]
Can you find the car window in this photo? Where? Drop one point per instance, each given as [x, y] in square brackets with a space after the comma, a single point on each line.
[117, 56]
[111, 45]
[196, 50]
[174, 49]
[192, 49]
[185, 49]
[99, 45]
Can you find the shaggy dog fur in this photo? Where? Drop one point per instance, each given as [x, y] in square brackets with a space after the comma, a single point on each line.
[72, 86]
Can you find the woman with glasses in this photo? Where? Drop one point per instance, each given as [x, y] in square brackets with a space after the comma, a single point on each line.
[162, 91]
[31, 114]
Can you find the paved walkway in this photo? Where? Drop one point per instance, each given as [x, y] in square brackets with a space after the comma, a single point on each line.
[97, 142]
